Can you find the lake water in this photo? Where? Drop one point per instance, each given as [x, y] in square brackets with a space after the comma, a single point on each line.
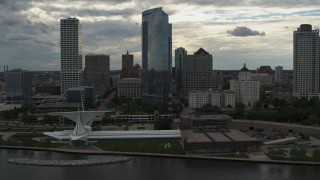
[150, 168]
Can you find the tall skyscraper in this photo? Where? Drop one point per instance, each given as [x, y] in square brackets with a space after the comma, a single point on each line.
[71, 53]
[97, 72]
[306, 62]
[197, 72]
[127, 66]
[278, 74]
[179, 54]
[156, 56]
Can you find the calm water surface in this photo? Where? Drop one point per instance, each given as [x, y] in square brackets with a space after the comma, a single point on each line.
[140, 168]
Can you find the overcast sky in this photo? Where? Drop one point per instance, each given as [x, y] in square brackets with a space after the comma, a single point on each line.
[255, 32]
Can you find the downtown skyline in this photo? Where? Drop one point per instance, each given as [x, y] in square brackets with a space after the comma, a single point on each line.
[257, 33]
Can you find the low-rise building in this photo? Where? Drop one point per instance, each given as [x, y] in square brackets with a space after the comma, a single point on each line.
[50, 89]
[193, 120]
[217, 141]
[141, 118]
[130, 88]
[47, 107]
[222, 99]
[81, 94]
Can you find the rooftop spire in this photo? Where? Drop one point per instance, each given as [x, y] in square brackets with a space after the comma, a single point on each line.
[244, 67]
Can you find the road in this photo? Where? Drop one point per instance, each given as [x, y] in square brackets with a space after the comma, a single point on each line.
[107, 100]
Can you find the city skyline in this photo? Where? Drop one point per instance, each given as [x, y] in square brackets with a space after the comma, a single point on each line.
[257, 33]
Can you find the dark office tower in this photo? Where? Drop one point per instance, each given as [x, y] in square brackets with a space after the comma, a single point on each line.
[71, 53]
[179, 54]
[306, 62]
[97, 72]
[265, 70]
[156, 56]
[18, 86]
[197, 72]
[127, 66]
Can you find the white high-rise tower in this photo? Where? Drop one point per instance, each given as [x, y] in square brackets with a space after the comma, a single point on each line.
[71, 53]
[306, 62]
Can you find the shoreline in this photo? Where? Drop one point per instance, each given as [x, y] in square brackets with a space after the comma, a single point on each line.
[198, 157]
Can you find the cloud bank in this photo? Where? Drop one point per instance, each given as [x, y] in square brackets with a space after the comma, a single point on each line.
[244, 31]
[31, 34]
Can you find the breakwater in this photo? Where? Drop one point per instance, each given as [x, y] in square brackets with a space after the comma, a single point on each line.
[58, 163]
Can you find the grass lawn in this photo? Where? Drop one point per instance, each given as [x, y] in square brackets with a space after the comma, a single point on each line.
[25, 139]
[317, 136]
[143, 146]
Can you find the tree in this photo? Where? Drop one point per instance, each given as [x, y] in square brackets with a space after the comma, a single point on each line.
[316, 154]
[239, 110]
[240, 106]
[314, 119]
[282, 103]
[298, 154]
[162, 124]
[207, 108]
[275, 102]
[257, 104]
[301, 103]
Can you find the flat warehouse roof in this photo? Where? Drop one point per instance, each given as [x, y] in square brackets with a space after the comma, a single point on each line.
[218, 137]
[239, 136]
[190, 136]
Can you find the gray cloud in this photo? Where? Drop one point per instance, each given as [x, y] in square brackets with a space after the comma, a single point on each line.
[244, 31]
[90, 12]
[261, 3]
[30, 38]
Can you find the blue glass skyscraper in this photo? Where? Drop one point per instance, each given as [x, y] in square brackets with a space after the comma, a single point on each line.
[156, 56]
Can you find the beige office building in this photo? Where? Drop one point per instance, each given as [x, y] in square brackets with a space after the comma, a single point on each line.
[246, 90]
[130, 88]
[222, 99]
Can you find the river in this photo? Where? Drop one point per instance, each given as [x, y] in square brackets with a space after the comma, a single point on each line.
[149, 168]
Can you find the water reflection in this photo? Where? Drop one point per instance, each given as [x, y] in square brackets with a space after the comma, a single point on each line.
[150, 168]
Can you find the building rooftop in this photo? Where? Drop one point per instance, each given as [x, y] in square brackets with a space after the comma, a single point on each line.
[237, 135]
[244, 68]
[216, 136]
[201, 51]
[59, 105]
[191, 136]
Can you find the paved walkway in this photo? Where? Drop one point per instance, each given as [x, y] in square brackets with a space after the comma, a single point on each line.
[258, 156]
[89, 148]
[6, 135]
